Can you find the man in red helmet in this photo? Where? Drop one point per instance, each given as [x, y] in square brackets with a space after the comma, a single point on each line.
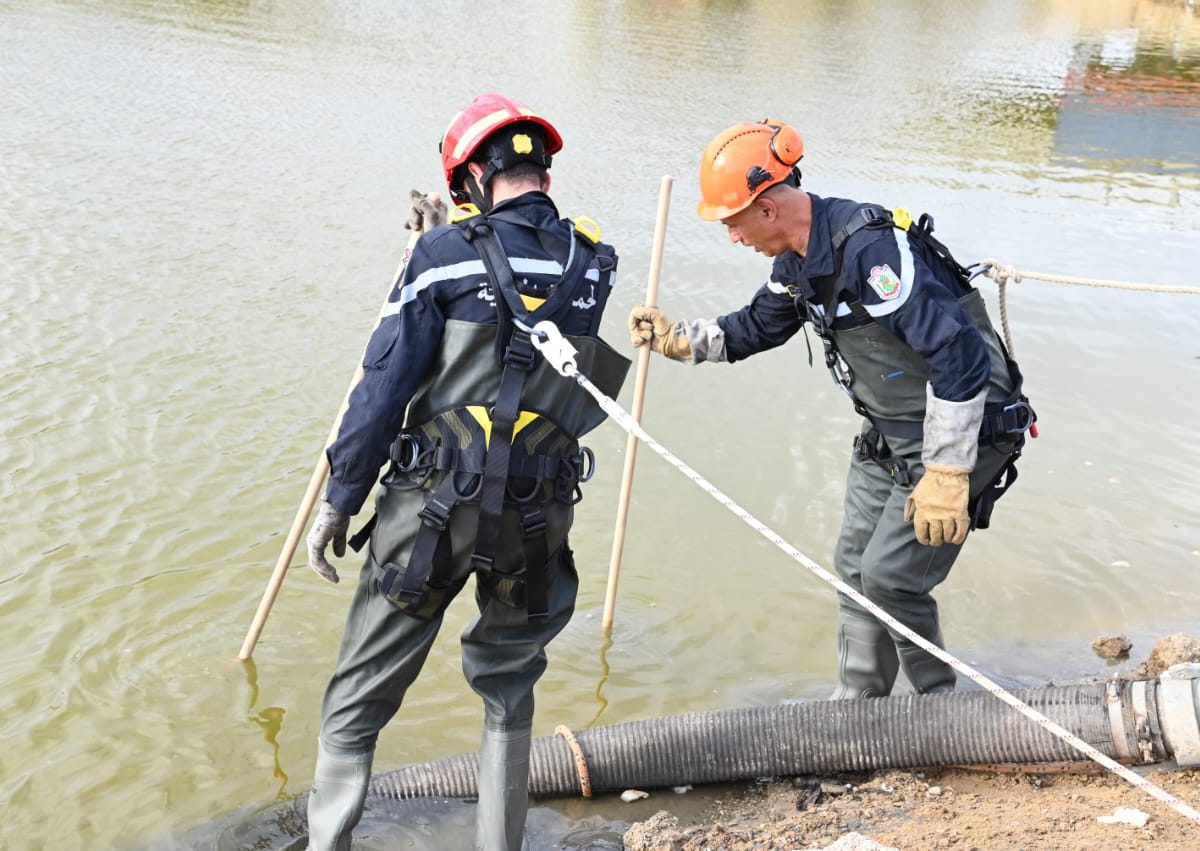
[485, 466]
[907, 337]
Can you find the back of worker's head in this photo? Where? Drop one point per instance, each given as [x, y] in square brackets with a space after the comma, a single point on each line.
[505, 139]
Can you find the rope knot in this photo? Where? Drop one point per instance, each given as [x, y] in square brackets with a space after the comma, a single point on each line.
[1002, 273]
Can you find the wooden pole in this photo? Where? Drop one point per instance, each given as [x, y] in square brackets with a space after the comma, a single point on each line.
[315, 483]
[639, 395]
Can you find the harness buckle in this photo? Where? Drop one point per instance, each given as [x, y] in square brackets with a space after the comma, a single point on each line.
[532, 523]
[519, 352]
[436, 514]
[899, 471]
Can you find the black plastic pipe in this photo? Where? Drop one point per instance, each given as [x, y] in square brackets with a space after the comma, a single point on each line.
[1120, 718]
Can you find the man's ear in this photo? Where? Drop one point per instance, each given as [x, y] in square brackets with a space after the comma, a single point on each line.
[546, 184]
[766, 207]
[476, 169]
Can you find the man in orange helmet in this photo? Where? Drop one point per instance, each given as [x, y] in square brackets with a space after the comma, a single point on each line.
[907, 337]
[485, 466]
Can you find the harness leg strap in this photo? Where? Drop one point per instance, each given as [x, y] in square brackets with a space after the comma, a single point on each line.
[429, 562]
[533, 533]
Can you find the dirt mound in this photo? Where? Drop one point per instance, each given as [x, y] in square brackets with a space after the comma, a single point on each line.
[1169, 651]
[934, 809]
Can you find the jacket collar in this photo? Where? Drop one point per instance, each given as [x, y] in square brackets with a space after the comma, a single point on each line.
[534, 205]
[818, 259]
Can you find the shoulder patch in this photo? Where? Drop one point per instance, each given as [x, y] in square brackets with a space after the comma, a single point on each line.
[884, 281]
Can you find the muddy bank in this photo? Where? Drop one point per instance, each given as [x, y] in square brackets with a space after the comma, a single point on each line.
[934, 809]
[947, 807]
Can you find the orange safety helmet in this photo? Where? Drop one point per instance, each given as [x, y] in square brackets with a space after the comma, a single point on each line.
[741, 162]
[483, 117]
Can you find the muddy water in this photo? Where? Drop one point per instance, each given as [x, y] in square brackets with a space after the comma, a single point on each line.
[203, 204]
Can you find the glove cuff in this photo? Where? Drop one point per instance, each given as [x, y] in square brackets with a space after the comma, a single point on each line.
[332, 518]
[699, 340]
[952, 431]
[947, 470]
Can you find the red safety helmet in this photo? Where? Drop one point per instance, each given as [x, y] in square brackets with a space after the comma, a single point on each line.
[484, 116]
[743, 161]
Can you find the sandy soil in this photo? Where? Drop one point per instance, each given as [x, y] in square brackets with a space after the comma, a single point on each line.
[935, 809]
[945, 808]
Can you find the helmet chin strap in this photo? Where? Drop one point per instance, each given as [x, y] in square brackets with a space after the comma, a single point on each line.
[481, 196]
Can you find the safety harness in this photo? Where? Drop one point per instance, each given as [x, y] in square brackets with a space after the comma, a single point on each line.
[1002, 421]
[486, 470]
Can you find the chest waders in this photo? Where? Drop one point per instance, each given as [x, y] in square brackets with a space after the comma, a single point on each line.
[885, 378]
[493, 430]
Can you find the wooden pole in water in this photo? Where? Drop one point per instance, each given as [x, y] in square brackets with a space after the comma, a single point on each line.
[315, 483]
[639, 395]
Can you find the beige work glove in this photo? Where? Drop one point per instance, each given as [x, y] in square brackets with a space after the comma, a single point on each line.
[427, 212]
[937, 506]
[650, 325]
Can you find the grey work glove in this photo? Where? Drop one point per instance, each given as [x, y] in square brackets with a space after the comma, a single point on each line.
[427, 212]
[330, 525]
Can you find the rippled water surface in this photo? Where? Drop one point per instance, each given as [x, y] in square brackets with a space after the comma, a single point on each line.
[202, 204]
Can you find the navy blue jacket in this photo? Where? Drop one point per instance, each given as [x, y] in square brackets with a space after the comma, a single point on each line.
[445, 279]
[924, 314]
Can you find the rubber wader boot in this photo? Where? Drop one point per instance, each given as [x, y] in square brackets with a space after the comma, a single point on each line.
[335, 803]
[928, 674]
[503, 789]
[867, 663]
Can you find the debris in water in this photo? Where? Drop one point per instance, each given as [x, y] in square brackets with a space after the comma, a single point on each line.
[1114, 648]
[630, 795]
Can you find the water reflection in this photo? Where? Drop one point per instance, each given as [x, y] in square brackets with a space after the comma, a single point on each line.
[1134, 100]
[270, 721]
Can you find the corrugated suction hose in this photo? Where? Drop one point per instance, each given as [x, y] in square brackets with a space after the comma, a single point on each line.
[1119, 718]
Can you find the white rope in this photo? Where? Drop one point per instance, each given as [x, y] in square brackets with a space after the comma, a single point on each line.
[566, 366]
[1003, 272]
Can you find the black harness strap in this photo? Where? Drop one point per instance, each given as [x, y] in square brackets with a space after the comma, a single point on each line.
[533, 540]
[980, 508]
[430, 563]
[518, 358]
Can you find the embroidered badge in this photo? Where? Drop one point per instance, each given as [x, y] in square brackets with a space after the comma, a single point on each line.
[884, 281]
